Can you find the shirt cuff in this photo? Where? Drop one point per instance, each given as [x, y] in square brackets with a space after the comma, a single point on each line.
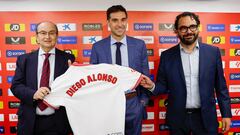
[152, 89]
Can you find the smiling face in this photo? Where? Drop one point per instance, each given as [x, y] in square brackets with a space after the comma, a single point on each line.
[47, 35]
[118, 24]
[187, 30]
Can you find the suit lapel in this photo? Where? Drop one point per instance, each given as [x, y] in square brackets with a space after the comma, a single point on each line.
[58, 63]
[33, 65]
[107, 49]
[130, 47]
[179, 63]
[202, 57]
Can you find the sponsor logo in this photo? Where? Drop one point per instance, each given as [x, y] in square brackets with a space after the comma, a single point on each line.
[150, 103]
[234, 64]
[91, 26]
[151, 64]
[235, 27]
[91, 39]
[143, 26]
[0, 79]
[162, 115]
[13, 117]
[67, 40]
[9, 79]
[150, 115]
[234, 88]
[163, 127]
[233, 133]
[235, 100]
[216, 40]
[13, 104]
[160, 51]
[168, 39]
[163, 103]
[1, 104]
[33, 27]
[1, 92]
[236, 112]
[11, 66]
[73, 52]
[150, 52]
[235, 123]
[33, 40]
[10, 92]
[2, 130]
[1, 117]
[13, 129]
[234, 39]
[87, 53]
[147, 127]
[234, 76]
[14, 53]
[146, 39]
[166, 27]
[67, 27]
[14, 27]
[222, 51]
[15, 40]
[234, 52]
[215, 27]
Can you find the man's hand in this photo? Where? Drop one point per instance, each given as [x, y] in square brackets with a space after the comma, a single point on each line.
[146, 82]
[41, 93]
[226, 122]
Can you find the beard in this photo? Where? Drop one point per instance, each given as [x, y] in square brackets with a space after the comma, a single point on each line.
[186, 41]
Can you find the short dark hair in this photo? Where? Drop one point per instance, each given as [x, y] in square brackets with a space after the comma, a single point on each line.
[184, 14]
[116, 8]
[49, 22]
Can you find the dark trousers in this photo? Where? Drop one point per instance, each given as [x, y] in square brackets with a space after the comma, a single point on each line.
[134, 116]
[46, 125]
[193, 125]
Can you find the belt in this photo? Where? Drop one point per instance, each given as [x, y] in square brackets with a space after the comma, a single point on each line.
[131, 95]
[193, 110]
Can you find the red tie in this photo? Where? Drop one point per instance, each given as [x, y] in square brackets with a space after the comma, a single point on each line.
[44, 79]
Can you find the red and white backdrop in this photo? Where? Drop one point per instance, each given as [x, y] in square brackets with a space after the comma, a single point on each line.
[79, 30]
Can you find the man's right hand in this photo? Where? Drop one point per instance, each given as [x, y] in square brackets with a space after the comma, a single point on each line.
[41, 93]
[146, 82]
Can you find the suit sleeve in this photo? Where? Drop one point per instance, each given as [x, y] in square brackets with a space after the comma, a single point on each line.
[145, 70]
[94, 57]
[161, 82]
[18, 88]
[221, 89]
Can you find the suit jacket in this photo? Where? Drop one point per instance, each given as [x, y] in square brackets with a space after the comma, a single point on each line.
[24, 85]
[137, 58]
[171, 80]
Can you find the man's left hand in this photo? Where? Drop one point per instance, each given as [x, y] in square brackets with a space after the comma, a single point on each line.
[226, 122]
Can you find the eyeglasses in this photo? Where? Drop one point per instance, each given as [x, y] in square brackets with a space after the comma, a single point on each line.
[192, 27]
[44, 33]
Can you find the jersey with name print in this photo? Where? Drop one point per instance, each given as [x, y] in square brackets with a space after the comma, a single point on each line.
[94, 98]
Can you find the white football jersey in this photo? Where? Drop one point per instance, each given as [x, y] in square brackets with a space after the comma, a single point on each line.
[94, 98]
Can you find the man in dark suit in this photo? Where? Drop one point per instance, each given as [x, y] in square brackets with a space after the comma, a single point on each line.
[34, 73]
[126, 51]
[191, 73]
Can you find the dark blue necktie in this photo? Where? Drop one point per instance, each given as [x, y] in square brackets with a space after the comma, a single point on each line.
[118, 53]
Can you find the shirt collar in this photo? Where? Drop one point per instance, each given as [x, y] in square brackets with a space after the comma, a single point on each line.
[41, 52]
[182, 49]
[123, 41]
